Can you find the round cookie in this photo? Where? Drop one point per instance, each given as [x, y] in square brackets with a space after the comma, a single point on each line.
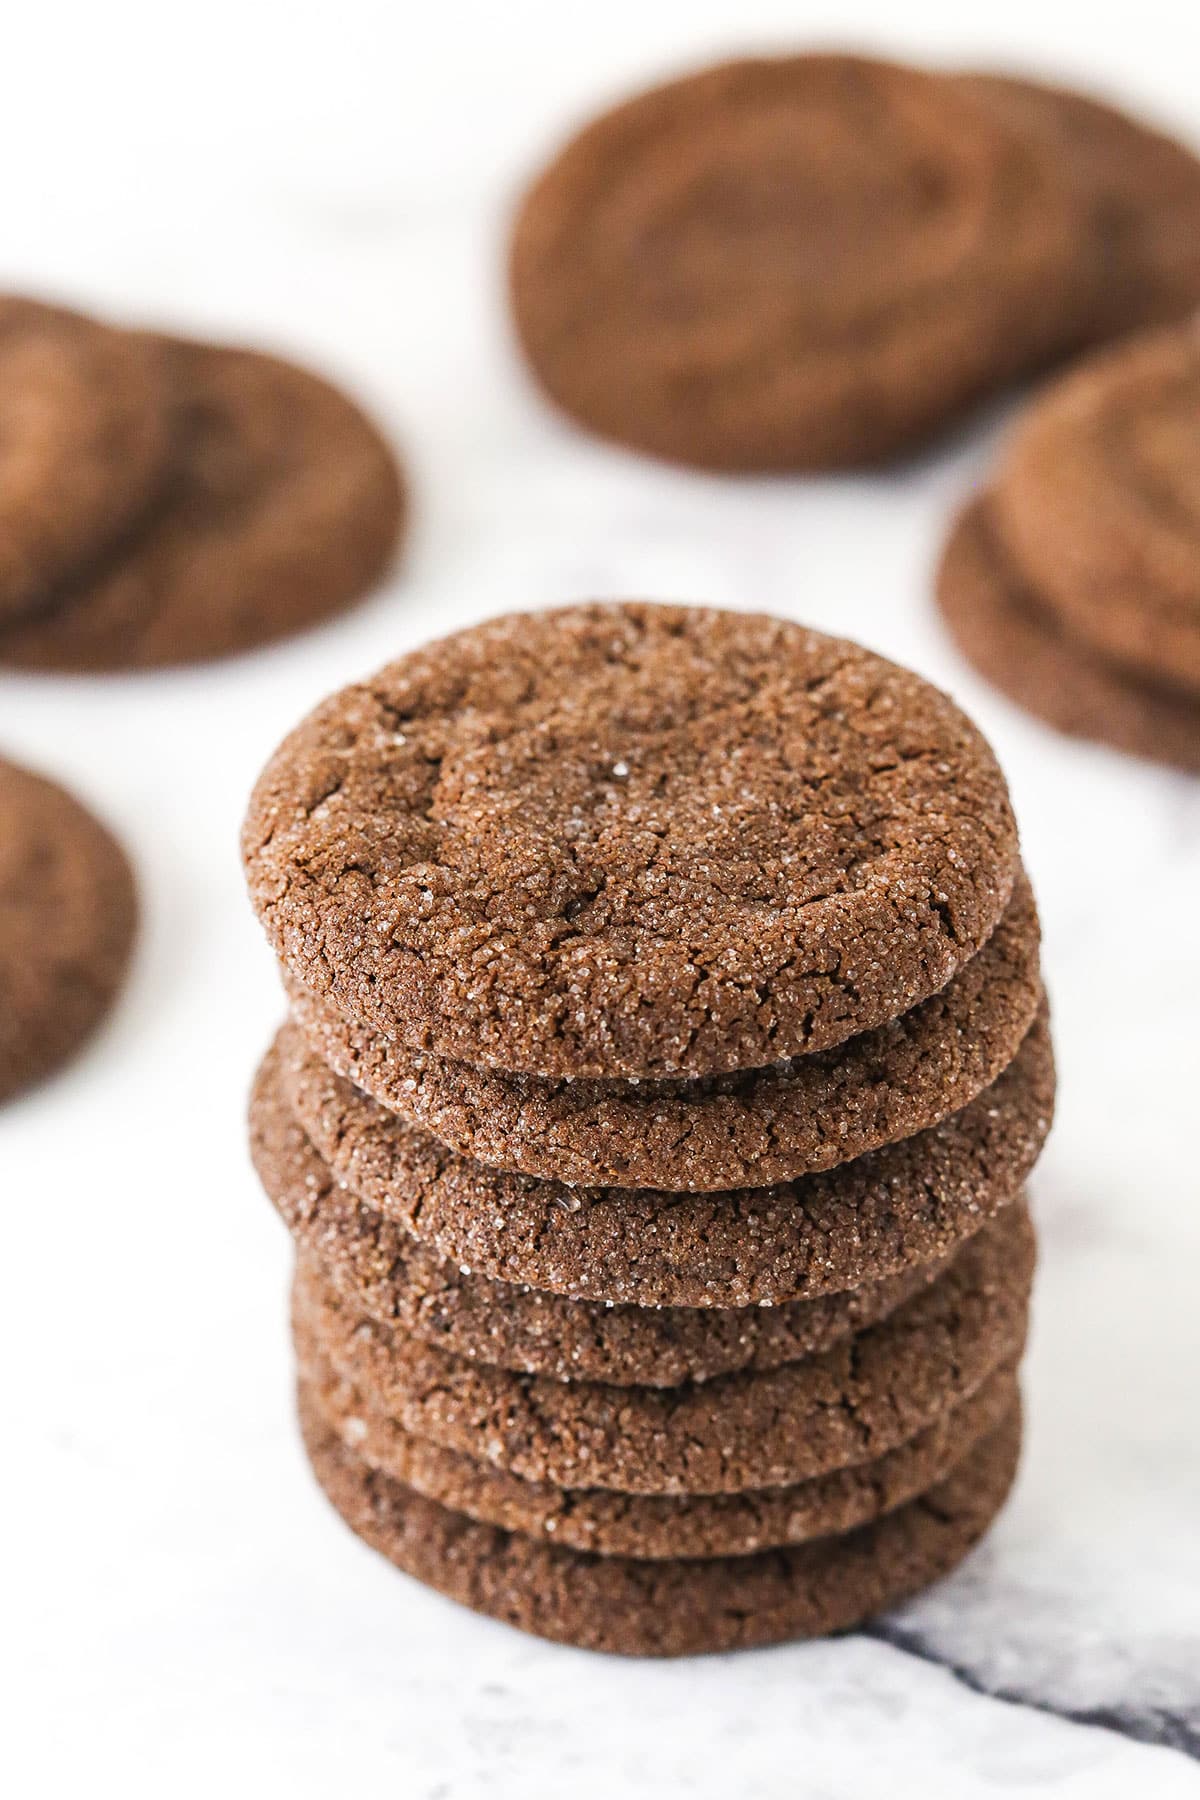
[1004, 630]
[729, 1131]
[284, 509]
[1098, 500]
[68, 912]
[675, 1607]
[631, 840]
[895, 1208]
[84, 438]
[380, 1269]
[1139, 189]
[807, 262]
[655, 1525]
[846, 1406]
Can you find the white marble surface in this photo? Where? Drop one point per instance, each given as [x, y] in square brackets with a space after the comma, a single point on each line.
[180, 1607]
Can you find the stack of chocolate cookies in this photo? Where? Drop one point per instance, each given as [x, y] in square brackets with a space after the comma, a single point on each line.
[166, 502]
[1073, 583]
[667, 1057]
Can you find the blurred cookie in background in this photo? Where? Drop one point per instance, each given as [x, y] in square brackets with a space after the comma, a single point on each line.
[279, 506]
[1139, 188]
[1004, 628]
[821, 261]
[798, 263]
[1074, 585]
[1099, 495]
[68, 914]
[84, 435]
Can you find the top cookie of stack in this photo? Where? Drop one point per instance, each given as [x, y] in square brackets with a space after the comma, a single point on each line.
[666, 1014]
[636, 841]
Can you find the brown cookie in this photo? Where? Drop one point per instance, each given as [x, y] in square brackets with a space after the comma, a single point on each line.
[1006, 631]
[807, 262]
[84, 437]
[1098, 501]
[670, 1608]
[68, 912]
[631, 840]
[906, 1204]
[380, 1269]
[728, 1131]
[1139, 189]
[283, 509]
[849, 1405]
[656, 1525]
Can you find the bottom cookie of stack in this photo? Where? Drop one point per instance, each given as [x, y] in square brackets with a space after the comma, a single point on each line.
[668, 1606]
[746, 1509]
[662, 1479]
[613, 1523]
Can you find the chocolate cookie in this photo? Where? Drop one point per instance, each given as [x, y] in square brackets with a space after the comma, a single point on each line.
[679, 1607]
[380, 1269]
[283, 509]
[849, 1405]
[1139, 189]
[727, 1131]
[84, 435]
[906, 1204]
[807, 262]
[1098, 500]
[631, 841]
[656, 1525]
[1007, 632]
[67, 917]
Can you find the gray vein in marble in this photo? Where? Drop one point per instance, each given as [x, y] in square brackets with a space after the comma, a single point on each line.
[1140, 1720]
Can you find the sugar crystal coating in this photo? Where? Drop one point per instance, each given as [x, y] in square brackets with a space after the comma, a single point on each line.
[809, 841]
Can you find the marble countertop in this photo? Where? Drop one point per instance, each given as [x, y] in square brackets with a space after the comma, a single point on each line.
[183, 1608]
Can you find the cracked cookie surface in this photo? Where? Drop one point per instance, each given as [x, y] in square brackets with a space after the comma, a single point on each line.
[631, 840]
[381, 1269]
[678, 1607]
[894, 1208]
[848, 1405]
[756, 1127]
[655, 1525]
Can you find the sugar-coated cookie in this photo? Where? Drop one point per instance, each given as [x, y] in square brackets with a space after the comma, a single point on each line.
[631, 840]
[848, 1405]
[677, 1607]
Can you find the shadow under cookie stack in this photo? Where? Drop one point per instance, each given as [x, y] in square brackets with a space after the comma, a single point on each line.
[666, 1060]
